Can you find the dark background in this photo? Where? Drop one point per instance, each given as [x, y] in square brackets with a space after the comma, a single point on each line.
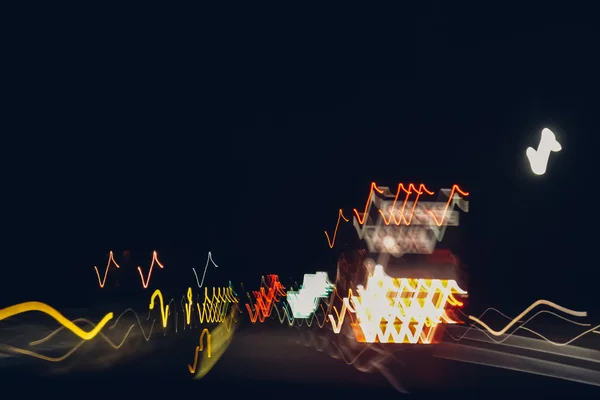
[244, 132]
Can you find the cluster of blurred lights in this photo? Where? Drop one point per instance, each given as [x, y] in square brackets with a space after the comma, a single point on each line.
[305, 301]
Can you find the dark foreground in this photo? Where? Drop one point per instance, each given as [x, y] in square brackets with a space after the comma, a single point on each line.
[269, 361]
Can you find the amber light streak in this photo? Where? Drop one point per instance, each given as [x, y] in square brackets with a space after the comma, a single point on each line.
[264, 300]
[331, 241]
[199, 348]
[220, 338]
[398, 310]
[147, 280]
[102, 281]
[61, 319]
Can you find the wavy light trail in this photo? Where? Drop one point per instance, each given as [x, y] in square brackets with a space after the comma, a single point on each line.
[568, 366]
[115, 323]
[61, 319]
[73, 350]
[523, 327]
[525, 312]
[82, 342]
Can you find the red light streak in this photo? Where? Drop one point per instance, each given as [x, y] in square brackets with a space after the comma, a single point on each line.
[263, 305]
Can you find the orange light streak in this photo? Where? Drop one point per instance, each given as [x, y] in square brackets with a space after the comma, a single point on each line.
[368, 204]
[154, 260]
[455, 189]
[408, 192]
[411, 187]
[102, 282]
[387, 220]
[331, 242]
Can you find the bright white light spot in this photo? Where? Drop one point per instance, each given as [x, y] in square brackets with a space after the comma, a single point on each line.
[538, 159]
[389, 243]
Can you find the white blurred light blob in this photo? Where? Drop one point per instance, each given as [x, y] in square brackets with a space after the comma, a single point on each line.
[538, 159]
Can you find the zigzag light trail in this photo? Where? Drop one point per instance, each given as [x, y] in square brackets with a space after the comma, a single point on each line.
[263, 306]
[331, 241]
[362, 219]
[419, 192]
[214, 308]
[208, 260]
[286, 315]
[103, 281]
[146, 282]
[408, 192]
[453, 198]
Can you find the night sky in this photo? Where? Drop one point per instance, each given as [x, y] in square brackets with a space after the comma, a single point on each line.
[187, 137]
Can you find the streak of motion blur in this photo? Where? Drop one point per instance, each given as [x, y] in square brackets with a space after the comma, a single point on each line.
[394, 292]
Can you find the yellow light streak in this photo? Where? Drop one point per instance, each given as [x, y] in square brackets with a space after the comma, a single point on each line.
[188, 306]
[220, 339]
[70, 352]
[61, 319]
[164, 310]
[199, 348]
